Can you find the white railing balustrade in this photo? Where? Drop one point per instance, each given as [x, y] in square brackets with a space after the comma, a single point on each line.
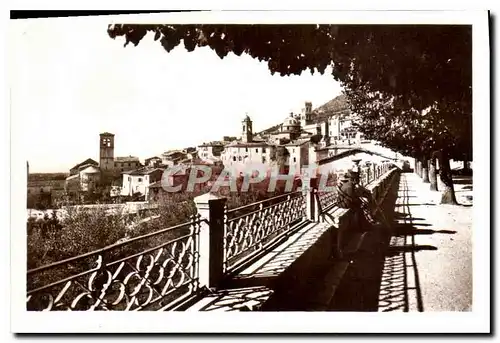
[249, 228]
[156, 271]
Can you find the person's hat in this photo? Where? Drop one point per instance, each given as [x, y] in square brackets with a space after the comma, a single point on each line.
[346, 176]
[352, 174]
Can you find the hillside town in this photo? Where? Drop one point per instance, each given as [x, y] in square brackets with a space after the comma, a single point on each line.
[302, 138]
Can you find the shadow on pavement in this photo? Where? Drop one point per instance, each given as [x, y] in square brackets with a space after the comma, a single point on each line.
[408, 229]
[384, 274]
[239, 299]
[408, 248]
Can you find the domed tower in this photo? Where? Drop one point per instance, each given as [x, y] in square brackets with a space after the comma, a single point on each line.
[246, 132]
[291, 126]
[107, 151]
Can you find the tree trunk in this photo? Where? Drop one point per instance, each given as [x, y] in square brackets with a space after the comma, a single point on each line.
[425, 170]
[432, 173]
[448, 196]
[466, 167]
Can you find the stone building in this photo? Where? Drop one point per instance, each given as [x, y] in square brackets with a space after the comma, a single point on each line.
[240, 154]
[87, 179]
[153, 162]
[107, 161]
[298, 157]
[211, 151]
[173, 157]
[76, 169]
[126, 163]
[139, 181]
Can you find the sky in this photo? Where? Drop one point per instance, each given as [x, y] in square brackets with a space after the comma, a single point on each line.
[68, 83]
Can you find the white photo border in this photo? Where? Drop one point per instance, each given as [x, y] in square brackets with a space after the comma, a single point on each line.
[478, 320]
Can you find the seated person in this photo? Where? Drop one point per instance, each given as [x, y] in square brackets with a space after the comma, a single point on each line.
[350, 194]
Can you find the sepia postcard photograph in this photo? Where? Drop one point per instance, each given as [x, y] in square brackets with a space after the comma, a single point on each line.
[250, 172]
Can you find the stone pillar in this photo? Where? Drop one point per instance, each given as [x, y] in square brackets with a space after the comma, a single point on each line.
[211, 208]
[309, 189]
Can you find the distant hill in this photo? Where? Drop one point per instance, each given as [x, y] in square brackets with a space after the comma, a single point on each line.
[269, 130]
[339, 103]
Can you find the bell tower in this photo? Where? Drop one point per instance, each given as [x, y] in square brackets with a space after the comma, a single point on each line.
[306, 113]
[106, 151]
[246, 132]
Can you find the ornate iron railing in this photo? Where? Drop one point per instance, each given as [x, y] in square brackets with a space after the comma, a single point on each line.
[156, 271]
[327, 199]
[249, 228]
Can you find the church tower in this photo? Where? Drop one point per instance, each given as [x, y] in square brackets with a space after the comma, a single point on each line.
[106, 151]
[246, 132]
[306, 114]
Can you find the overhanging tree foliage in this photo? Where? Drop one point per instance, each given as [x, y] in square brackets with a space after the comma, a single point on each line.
[417, 78]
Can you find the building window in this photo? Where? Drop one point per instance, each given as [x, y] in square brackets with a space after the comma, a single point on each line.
[140, 179]
[246, 149]
[263, 159]
[257, 150]
[294, 159]
[129, 178]
[263, 150]
[239, 158]
[234, 158]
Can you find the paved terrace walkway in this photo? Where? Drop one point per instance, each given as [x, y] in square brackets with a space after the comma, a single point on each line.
[427, 265]
[424, 265]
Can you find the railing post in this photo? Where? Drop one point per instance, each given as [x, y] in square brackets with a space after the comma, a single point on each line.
[211, 208]
[310, 187]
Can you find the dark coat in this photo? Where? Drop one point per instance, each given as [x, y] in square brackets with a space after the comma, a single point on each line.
[347, 194]
[350, 194]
